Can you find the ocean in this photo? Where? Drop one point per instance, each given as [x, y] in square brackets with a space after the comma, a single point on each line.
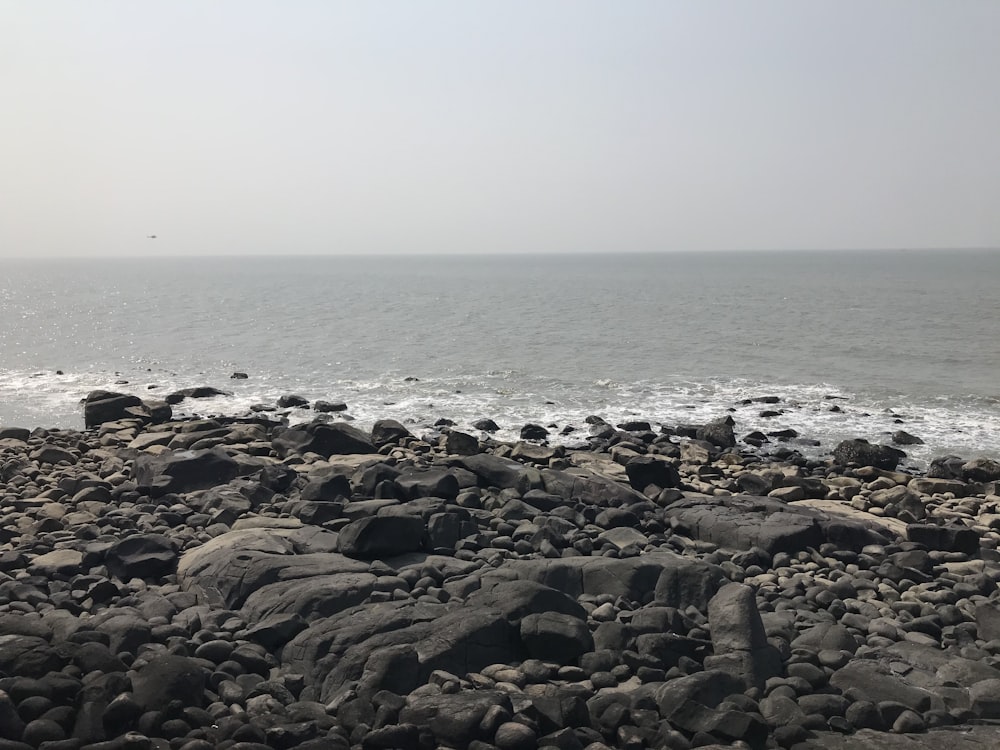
[896, 340]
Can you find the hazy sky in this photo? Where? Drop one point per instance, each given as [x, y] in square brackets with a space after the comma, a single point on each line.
[514, 126]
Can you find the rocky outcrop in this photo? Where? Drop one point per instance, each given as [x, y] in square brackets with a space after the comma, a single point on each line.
[240, 583]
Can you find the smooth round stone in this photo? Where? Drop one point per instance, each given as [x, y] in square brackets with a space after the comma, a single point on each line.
[512, 735]
[42, 730]
[909, 721]
[832, 658]
[216, 651]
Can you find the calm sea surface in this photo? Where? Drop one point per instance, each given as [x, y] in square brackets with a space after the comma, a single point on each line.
[910, 340]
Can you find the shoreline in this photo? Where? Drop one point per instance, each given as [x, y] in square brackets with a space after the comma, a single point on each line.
[239, 582]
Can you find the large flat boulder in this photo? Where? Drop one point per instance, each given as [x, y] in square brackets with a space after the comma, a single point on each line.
[188, 470]
[338, 438]
[635, 578]
[744, 521]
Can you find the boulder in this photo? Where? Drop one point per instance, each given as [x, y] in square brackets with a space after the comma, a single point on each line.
[948, 538]
[386, 431]
[326, 488]
[338, 438]
[519, 598]
[743, 521]
[168, 677]
[416, 483]
[556, 637]
[643, 471]
[738, 637]
[461, 444]
[862, 453]
[494, 471]
[382, 536]
[533, 432]
[981, 470]
[142, 556]
[329, 406]
[106, 406]
[184, 471]
[719, 433]
[202, 391]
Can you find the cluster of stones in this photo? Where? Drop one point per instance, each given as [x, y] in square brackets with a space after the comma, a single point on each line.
[243, 584]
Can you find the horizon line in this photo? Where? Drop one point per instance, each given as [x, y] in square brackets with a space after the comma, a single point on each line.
[511, 253]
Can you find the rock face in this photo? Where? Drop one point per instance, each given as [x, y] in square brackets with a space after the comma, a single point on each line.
[240, 583]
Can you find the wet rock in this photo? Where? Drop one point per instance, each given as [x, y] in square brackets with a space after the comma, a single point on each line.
[981, 470]
[862, 453]
[719, 433]
[901, 437]
[107, 406]
[387, 431]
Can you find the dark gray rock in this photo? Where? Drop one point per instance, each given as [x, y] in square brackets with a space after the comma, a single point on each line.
[981, 470]
[184, 471]
[875, 682]
[329, 406]
[519, 598]
[386, 431]
[533, 432]
[428, 483]
[106, 406]
[382, 536]
[28, 656]
[643, 471]
[744, 521]
[862, 453]
[556, 637]
[461, 444]
[738, 637]
[169, 677]
[949, 538]
[634, 578]
[719, 433]
[142, 556]
[329, 487]
[292, 401]
[454, 720]
[337, 438]
[493, 471]
[201, 391]
[309, 597]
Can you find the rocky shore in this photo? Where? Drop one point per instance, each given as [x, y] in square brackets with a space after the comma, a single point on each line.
[244, 584]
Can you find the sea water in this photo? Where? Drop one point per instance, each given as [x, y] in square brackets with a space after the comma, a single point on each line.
[895, 340]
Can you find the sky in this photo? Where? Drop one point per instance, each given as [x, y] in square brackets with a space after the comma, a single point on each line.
[449, 126]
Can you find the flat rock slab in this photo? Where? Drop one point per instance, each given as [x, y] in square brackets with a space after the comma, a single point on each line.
[744, 521]
[953, 738]
[838, 508]
[670, 576]
[230, 568]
